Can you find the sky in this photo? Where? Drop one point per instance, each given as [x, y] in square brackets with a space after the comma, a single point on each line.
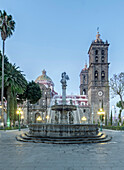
[55, 35]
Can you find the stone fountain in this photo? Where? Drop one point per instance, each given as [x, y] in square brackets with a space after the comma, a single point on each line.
[63, 109]
[63, 132]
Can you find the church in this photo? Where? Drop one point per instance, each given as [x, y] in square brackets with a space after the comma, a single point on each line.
[94, 88]
[94, 80]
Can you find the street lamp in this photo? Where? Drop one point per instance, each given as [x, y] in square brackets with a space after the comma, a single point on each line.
[46, 103]
[92, 114]
[47, 117]
[101, 112]
[19, 112]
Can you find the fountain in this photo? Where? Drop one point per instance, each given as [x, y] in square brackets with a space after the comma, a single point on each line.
[64, 109]
[63, 130]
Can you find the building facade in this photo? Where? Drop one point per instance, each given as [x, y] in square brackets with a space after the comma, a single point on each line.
[94, 80]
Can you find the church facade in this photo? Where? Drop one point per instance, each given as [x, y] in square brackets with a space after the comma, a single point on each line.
[94, 80]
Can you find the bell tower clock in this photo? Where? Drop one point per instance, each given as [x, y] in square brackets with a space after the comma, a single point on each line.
[98, 83]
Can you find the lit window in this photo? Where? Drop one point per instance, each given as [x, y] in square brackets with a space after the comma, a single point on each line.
[96, 74]
[103, 75]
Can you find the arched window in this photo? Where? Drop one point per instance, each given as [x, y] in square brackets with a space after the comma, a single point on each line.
[96, 75]
[96, 52]
[102, 52]
[102, 59]
[96, 59]
[84, 79]
[102, 75]
[84, 92]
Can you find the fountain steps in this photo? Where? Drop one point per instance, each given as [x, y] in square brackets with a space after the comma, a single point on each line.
[100, 138]
[65, 137]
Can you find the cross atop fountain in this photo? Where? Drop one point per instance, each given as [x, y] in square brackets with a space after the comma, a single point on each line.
[64, 84]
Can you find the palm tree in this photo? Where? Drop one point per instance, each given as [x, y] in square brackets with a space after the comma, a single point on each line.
[15, 83]
[7, 26]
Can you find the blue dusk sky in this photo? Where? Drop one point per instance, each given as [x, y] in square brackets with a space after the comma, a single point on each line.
[56, 34]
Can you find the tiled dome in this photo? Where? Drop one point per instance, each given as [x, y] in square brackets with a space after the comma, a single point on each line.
[43, 77]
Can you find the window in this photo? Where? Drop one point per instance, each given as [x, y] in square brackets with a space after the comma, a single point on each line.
[102, 52]
[102, 75]
[102, 59]
[96, 59]
[84, 79]
[84, 110]
[96, 52]
[84, 92]
[96, 75]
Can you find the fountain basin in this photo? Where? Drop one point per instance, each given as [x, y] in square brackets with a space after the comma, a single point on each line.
[63, 107]
[60, 130]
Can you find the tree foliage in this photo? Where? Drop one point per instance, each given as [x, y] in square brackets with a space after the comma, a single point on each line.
[33, 92]
[117, 86]
[119, 105]
[14, 84]
[7, 25]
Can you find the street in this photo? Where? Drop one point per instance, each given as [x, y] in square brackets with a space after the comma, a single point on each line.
[16, 155]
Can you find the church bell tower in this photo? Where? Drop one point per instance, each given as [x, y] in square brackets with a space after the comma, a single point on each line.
[98, 83]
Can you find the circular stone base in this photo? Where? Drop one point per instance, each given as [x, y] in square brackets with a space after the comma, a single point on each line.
[63, 134]
[64, 130]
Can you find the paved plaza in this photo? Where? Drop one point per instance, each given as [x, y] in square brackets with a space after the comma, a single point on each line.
[15, 155]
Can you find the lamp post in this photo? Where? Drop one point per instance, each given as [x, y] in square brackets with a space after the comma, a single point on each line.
[101, 112]
[22, 118]
[46, 103]
[47, 118]
[19, 112]
[92, 114]
[113, 107]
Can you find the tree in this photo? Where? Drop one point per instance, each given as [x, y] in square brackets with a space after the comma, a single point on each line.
[15, 83]
[5, 65]
[119, 105]
[117, 86]
[7, 26]
[32, 94]
[111, 118]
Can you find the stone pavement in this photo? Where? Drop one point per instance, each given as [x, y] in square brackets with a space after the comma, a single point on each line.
[16, 155]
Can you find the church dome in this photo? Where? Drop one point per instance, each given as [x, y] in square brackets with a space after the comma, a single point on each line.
[44, 79]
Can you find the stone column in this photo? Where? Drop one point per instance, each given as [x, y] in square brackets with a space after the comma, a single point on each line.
[64, 94]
